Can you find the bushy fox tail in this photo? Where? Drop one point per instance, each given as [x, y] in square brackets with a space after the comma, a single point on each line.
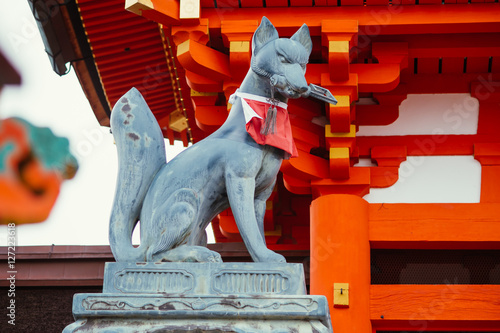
[141, 153]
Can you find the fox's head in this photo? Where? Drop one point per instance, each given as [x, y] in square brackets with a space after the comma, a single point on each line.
[282, 60]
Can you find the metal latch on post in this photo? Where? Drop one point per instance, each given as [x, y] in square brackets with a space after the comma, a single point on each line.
[341, 295]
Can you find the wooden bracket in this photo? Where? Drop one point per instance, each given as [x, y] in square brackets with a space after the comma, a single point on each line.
[196, 32]
[339, 36]
[340, 114]
[237, 35]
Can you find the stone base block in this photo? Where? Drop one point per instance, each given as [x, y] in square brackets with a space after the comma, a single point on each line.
[214, 297]
[175, 278]
[198, 326]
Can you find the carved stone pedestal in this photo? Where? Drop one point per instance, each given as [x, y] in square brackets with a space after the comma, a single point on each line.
[201, 297]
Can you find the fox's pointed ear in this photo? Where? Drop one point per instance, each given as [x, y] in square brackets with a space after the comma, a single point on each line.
[303, 37]
[265, 33]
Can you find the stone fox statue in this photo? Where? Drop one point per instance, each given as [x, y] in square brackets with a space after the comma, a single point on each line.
[235, 166]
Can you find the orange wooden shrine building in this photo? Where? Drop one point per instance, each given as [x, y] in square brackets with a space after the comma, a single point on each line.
[188, 56]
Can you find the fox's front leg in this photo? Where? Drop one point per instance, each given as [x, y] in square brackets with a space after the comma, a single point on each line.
[260, 205]
[240, 191]
[260, 212]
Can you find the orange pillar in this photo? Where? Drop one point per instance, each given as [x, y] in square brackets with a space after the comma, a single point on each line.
[340, 253]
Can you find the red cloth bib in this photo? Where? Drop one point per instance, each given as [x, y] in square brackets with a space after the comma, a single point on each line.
[255, 115]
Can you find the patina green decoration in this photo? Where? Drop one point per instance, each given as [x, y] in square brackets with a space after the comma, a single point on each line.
[53, 151]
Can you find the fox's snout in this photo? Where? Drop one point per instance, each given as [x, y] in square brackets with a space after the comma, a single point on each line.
[302, 89]
[295, 79]
[291, 79]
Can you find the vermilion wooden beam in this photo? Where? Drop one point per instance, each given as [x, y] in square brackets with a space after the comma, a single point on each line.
[227, 4]
[389, 156]
[458, 45]
[377, 77]
[387, 109]
[305, 108]
[161, 11]
[427, 145]
[203, 60]
[490, 178]
[210, 118]
[308, 139]
[388, 159]
[201, 83]
[488, 154]
[276, 3]
[439, 226]
[424, 307]
[381, 177]
[228, 228]
[346, 88]
[296, 185]
[391, 53]
[339, 30]
[450, 83]
[369, 78]
[313, 130]
[376, 114]
[357, 184]
[306, 167]
[404, 2]
[380, 21]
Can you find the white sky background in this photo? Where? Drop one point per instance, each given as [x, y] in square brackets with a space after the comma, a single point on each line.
[432, 179]
[81, 213]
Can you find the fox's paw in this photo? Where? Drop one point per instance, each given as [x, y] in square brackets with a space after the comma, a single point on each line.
[270, 256]
[185, 253]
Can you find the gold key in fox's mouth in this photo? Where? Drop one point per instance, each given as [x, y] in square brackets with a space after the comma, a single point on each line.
[321, 93]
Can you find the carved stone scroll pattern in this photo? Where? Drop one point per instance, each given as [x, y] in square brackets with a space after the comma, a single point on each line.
[182, 304]
[138, 281]
[252, 283]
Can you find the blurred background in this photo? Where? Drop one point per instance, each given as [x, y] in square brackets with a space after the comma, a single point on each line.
[81, 213]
